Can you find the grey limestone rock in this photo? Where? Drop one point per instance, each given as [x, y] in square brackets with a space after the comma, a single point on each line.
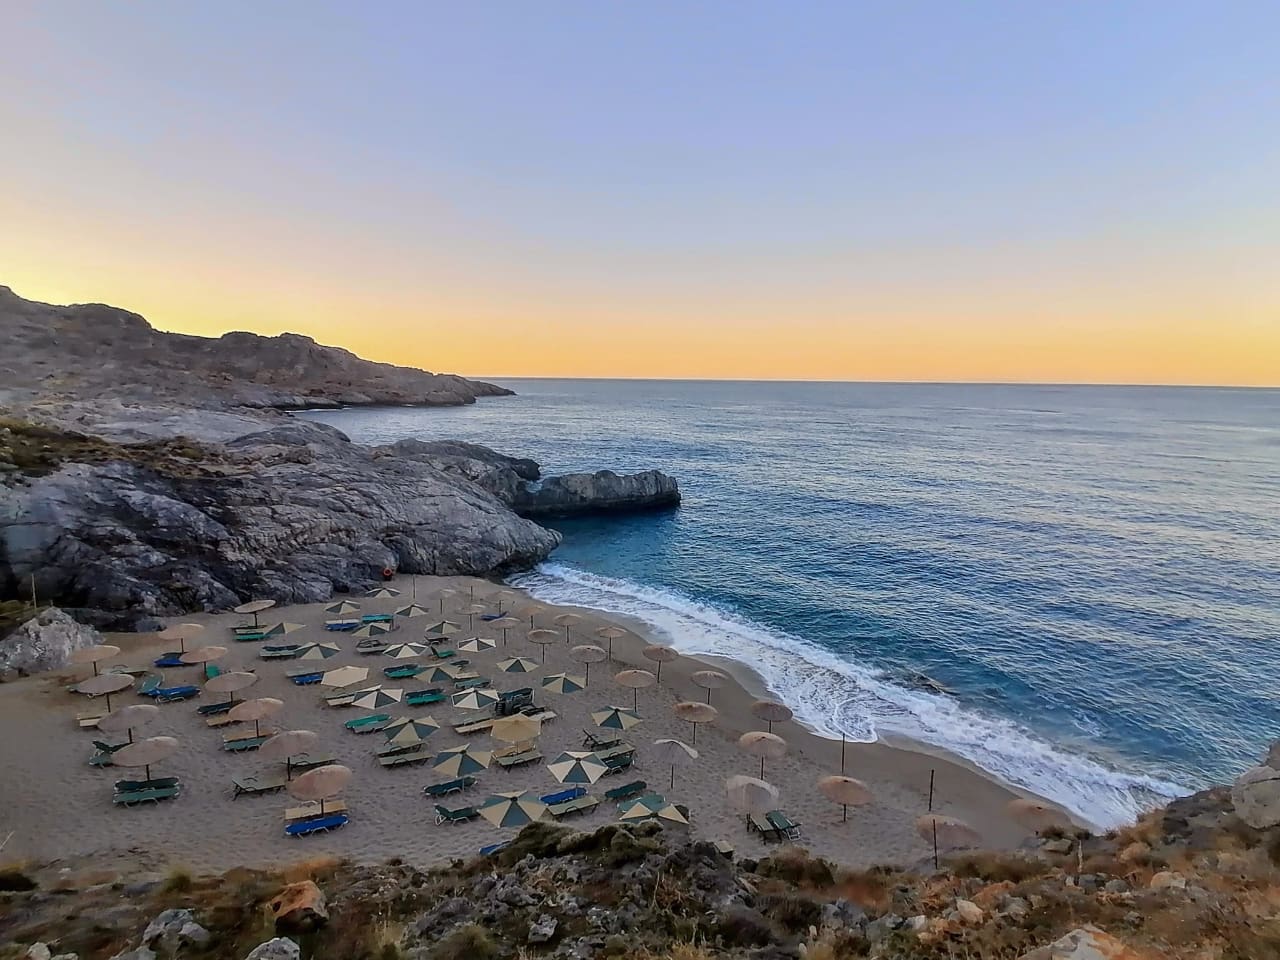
[281, 948]
[45, 642]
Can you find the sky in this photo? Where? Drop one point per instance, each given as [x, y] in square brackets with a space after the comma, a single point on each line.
[1066, 192]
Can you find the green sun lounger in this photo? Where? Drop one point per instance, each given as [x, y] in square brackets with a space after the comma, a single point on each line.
[251, 636]
[422, 698]
[148, 683]
[461, 815]
[783, 824]
[256, 786]
[625, 792]
[154, 795]
[619, 749]
[244, 744]
[438, 654]
[518, 759]
[404, 759]
[406, 671]
[472, 683]
[593, 742]
[449, 786]
[302, 762]
[133, 786]
[762, 826]
[581, 805]
[368, 724]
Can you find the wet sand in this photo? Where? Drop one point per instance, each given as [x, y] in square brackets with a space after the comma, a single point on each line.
[57, 806]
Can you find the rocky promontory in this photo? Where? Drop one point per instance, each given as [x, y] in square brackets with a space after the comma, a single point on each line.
[145, 474]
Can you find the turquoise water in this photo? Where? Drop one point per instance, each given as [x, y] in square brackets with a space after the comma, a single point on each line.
[1092, 572]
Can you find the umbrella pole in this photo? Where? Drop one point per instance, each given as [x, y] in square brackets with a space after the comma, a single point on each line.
[708, 694]
[659, 677]
[635, 699]
[844, 817]
[108, 703]
[762, 768]
[931, 791]
[842, 740]
[588, 676]
[673, 776]
[935, 843]
[95, 668]
[694, 738]
[544, 653]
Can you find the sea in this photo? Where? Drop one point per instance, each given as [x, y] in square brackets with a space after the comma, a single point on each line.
[1091, 575]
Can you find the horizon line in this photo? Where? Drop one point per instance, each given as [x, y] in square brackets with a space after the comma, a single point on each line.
[868, 382]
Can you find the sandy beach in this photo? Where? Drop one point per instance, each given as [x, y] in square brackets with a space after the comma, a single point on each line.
[57, 806]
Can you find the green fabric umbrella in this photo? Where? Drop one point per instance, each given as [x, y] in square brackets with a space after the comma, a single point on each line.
[477, 645]
[442, 629]
[615, 718]
[412, 610]
[563, 683]
[461, 761]
[405, 651]
[575, 766]
[517, 665]
[475, 699]
[280, 629]
[382, 593]
[374, 699]
[439, 675]
[512, 809]
[407, 730]
[342, 606]
[371, 630]
[318, 651]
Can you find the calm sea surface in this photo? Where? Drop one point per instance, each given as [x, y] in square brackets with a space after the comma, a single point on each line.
[1093, 572]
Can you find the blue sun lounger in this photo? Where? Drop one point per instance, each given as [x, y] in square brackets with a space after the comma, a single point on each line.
[171, 659]
[305, 828]
[564, 796]
[173, 694]
[306, 679]
[493, 848]
[377, 618]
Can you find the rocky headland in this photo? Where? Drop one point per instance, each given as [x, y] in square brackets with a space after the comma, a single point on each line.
[144, 474]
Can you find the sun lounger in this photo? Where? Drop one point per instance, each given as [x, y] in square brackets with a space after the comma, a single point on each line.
[157, 783]
[404, 671]
[251, 636]
[619, 764]
[491, 849]
[144, 796]
[302, 762]
[173, 694]
[306, 679]
[147, 684]
[101, 759]
[283, 652]
[245, 744]
[341, 626]
[472, 683]
[309, 811]
[439, 654]
[404, 759]
[172, 659]
[449, 786]
[372, 649]
[626, 791]
[564, 796]
[377, 618]
[212, 670]
[783, 824]
[422, 698]
[395, 749]
[89, 721]
[763, 827]
[257, 785]
[593, 742]
[464, 674]
[518, 759]
[246, 628]
[467, 728]
[368, 724]
[582, 805]
[220, 720]
[323, 824]
[461, 815]
[212, 709]
[515, 749]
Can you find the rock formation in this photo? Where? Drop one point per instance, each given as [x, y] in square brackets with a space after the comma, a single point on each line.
[601, 492]
[45, 642]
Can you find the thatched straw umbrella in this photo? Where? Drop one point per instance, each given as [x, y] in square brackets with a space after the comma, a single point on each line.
[505, 624]
[209, 654]
[946, 832]
[254, 607]
[610, 633]
[1034, 814]
[750, 796]
[588, 654]
[675, 753]
[321, 784]
[143, 753]
[287, 745]
[637, 680]
[771, 712]
[444, 595]
[255, 710]
[94, 655]
[231, 683]
[566, 620]
[695, 713]
[182, 632]
[766, 746]
[845, 791]
[105, 684]
[660, 655]
[542, 638]
[128, 718]
[709, 680]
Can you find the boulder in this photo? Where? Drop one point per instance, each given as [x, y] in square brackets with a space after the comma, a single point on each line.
[1256, 797]
[1087, 943]
[280, 948]
[1168, 880]
[299, 908]
[600, 492]
[968, 912]
[173, 930]
[542, 929]
[45, 642]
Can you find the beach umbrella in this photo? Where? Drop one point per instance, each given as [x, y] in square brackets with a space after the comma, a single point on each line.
[373, 699]
[505, 624]
[317, 651]
[143, 753]
[542, 638]
[231, 683]
[344, 676]
[461, 761]
[342, 606]
[254, 607]
[610, 634]
[948, 833]
[506, 597]
[440, 675]
[471, 611]
[751, 796]
[709, 680]
[845, 791]
[371, 630]
[105, 684]
[209, 654]
[444, 595]
[287, 745]
[182, 632]
[636, 680]
[615, 718]
[651, 807]
[675, 753]
[382, 593]
[771, 712]
[1035, 815]
[475, 699]
[530, 610]
[321, 784]
[660, 655]
[407, 730]
[575, 766]
[512, 809]
[442, 629]
[255, 710]
[563, 683]
[94, 655]
[695, 713]
[515, 728]
[588, 654]
[566, 620]
[766, 746]
[477, 645]
[128, 718]
[517, 665]
[280, 629]
[405, 651]
[413, 610]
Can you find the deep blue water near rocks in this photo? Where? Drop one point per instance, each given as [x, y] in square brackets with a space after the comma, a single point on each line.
[1093, 572]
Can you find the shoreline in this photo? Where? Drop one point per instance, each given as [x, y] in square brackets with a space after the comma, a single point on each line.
[60, 808]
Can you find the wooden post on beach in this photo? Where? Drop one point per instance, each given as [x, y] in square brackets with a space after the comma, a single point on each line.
[842, 741]
[935, 843]
[931, 793]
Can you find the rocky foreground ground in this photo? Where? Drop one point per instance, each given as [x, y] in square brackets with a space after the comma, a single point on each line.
[1193, 880]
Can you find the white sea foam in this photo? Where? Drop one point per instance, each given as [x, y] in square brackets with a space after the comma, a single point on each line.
[833, 695]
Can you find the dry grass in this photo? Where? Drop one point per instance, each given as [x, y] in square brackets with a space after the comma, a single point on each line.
[179, 879]
[314, 868]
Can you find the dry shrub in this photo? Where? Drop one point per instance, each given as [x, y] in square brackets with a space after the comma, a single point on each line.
[314, 868]
[743, 927]
[690, 951]
[14, 879]
[471, 942]
[797, 866]
[795, 912]
[870, 888]
[179, 879]
[996, 867]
